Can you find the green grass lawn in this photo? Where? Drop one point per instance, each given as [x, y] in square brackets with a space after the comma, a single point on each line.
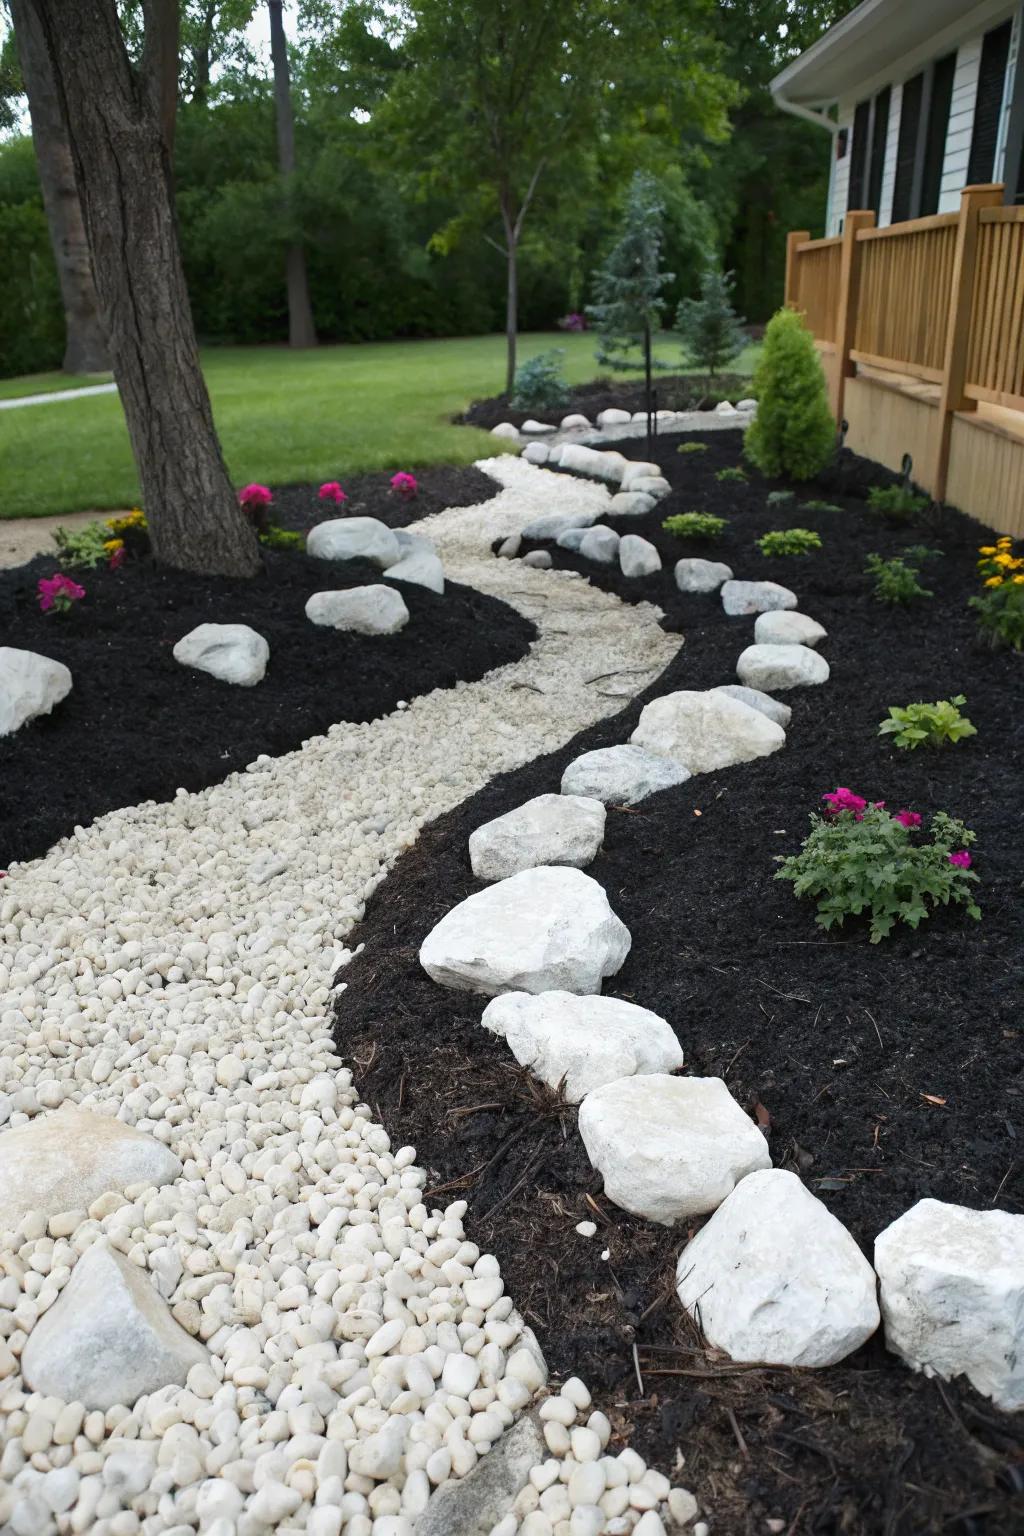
[282, 417]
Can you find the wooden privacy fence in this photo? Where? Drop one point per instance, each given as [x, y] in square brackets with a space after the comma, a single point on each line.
[938, 301]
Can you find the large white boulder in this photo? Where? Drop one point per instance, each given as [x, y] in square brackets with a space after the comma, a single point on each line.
[768, 667]
[600, 544]
[613, 417]
[586, 1041]
[695, 575]
[375, 610]
[505, 429]
[650, 485]
[544, 930]
[531, 425]
[593, 462]
[637, 471]
[952, 1283]
[621, 775]
[354, 538]
[706, 731]
[420, 568]
[550, 829]
[742, 597]
[109, 1337]
[233, 653]
[637, 556]
[551, 524]
[30, 685]
[669, 1147]
[573, 421]
[631, 504]
[780, 713]
[774, 1277]
[536, 453]
[571, 539]
[65, 1160]
[787, 628]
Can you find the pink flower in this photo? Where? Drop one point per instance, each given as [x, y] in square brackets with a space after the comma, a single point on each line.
[845, 800]
[962, 860]
[332, 491]
[404, 485]
[908, 819]
[59, 592]
[255, 496]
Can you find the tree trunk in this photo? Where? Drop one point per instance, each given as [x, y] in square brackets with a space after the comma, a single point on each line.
[511, 314]
[85, 349]
[301, 330]
[113, 121]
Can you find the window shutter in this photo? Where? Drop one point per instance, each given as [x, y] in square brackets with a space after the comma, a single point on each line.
[859, 155]
[995, 52]
[935, 135]
[906, 149]
[879, 140]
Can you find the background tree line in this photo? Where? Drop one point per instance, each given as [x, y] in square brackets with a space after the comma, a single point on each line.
[422, 135]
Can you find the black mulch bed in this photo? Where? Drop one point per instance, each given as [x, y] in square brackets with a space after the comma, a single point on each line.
[370, 495]
[838, 1040]
[137, 725]
[675, 392]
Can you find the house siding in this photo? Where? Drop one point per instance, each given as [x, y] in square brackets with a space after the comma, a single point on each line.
[961, 122]
[1013, 63]
[840, 177]
[889, 173]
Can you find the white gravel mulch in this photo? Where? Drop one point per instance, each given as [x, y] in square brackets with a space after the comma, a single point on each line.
[172, 965]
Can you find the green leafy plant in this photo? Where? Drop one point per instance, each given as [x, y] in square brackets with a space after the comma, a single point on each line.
[896, 503]
[695, 525]
[780, 498]
[731, 472]
[858, 860]
[712, 333]
[793, 432]
[896, 580]
[540, 384]
[819, 506]
[692, 448]
[282, 538]
[789, 541]
[84, 548]
[927, 725]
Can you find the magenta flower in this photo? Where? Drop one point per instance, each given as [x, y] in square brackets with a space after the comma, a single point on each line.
[908, 819]
[255, 496]
[58, 592]
[332, 491]
[845, 800]
[404, 485]
[962, 860]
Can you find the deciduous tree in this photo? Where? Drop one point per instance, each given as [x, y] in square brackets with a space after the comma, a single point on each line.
[301, 329]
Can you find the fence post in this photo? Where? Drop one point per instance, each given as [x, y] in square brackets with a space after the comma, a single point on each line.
[849, 296]
[793, 239]
[958, 325]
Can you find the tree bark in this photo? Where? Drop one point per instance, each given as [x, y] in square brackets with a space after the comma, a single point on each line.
[301, 330]
[85, 349]
[122, 168]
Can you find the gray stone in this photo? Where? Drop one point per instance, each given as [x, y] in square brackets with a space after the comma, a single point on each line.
[746, 405]
[475, 1504]
[631, 504]
[420, 568]
[232, 653]
[600, 544]
[725, 408]
[536, 426]
[109, 1337]
[574, 420]
[30, 686]
[551, 524]
[706, 731]
[376, 610]
[787, 628]
[769, 667]
[613, 417]
[65, 1160]
[638, 471]
[572, 538]
[536, 453]
[742, 597]
[549, 829]
[354, 538]
[650, 485]
[780, 713]
[637, 556]
[509, 548]
[413, 543]
[538, 560]
[695, 575]
[621, 775]
[593, 462]
[505, 429]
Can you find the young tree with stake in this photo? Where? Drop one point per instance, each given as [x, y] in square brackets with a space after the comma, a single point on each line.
[711, 331]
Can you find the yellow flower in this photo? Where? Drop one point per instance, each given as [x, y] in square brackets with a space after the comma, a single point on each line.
[994, 581]
[1004, 541]
[1003, 559]
[987, 549]
[1018, 581]
[112, 545]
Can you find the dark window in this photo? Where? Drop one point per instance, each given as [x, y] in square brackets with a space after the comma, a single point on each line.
[859, 156]
[988, 107]
[906, 149]
[935, 133]
[879, 139]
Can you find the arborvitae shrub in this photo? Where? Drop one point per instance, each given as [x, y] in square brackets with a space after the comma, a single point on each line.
[793, 432]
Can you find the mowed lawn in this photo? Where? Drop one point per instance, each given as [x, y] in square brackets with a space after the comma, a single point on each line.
[282, 417]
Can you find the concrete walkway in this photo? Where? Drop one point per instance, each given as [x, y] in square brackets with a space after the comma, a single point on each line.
[58, 394]
[24, 537]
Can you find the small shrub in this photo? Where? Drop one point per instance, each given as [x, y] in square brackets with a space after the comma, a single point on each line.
[692, 448]
[927, 725]
[712, 333]
[282, 538]
[55, 594]
[1001, 616]
[695, 525]
[540, 384]
[896, 503]
[789, 541]
[83, 548]
[731, 472]
[860, 860]
[819, 506]
[895, 580]
[780, 498]
[793, 432]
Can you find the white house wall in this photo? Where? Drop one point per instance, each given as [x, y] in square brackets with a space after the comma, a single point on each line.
[889, 169]
[840, 184]
[961, 122]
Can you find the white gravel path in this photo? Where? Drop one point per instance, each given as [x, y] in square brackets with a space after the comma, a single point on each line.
[172, 965]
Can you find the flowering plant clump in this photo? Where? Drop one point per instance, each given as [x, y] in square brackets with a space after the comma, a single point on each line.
[789, 541]
[860, 859]
[695, 525]
[573, 322]
[927, 725]
[405, 485]
[1000, 608]
[332, 491]
[57, 593]
[255, 501]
